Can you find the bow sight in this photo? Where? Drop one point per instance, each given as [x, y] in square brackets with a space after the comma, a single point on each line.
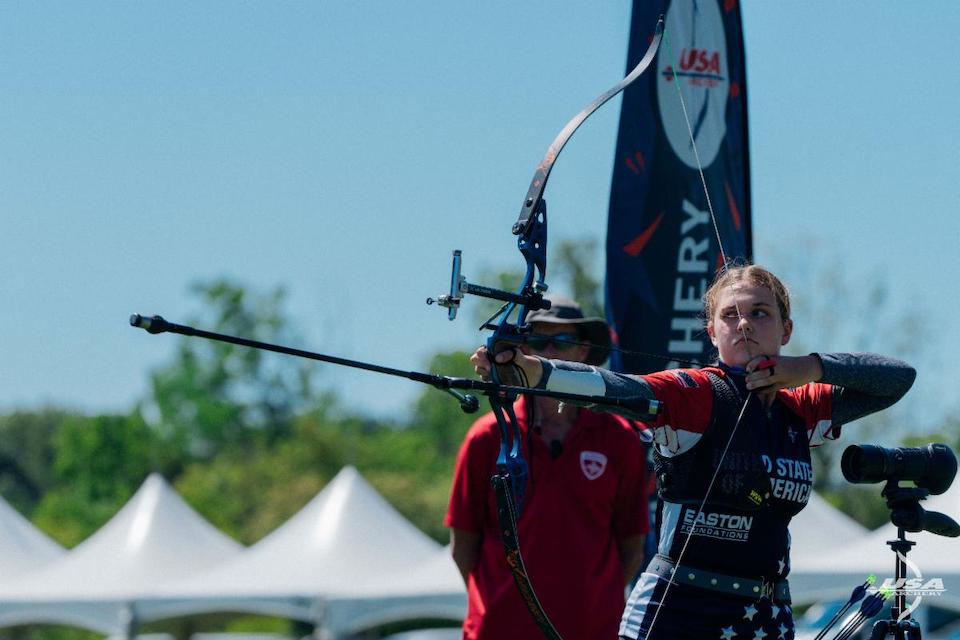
[531, 299]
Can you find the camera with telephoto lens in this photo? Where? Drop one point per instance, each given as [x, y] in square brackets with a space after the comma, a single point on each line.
[931, 468]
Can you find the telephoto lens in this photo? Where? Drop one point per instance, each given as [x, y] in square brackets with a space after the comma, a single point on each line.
[932, 467]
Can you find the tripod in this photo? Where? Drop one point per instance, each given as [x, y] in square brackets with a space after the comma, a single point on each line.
[907, 514]
[906, 628]
[932, 469]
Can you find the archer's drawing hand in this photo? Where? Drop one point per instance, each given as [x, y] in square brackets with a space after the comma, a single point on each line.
[530, 365]
[767, 375]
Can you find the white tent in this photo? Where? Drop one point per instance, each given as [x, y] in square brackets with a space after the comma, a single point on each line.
[23, 547]
[156, 537]
[347, 544]
[433, 590]
[819, 527]
[835, 571]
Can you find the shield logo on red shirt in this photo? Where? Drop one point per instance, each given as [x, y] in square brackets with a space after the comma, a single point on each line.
[593, 464]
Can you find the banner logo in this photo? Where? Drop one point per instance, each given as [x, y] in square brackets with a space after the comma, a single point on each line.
[697, 40]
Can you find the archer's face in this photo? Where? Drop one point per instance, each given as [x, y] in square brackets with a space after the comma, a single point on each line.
[756, 330]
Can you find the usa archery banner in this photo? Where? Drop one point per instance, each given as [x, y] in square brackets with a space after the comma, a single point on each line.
[662, 251]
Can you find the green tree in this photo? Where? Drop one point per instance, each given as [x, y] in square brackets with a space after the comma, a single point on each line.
[216, 395]
[437, 414]
[98, 464]
[861, 502]
[249, 492]
[26, 455]
[575, 262]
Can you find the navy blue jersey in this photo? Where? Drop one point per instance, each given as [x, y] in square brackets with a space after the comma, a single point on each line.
[765, 476]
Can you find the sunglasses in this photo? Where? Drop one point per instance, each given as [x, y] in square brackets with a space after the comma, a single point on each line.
[560, 341]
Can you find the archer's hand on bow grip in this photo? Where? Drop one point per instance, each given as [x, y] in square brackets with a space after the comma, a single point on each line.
[508, 372]
[514, 368]
[530, 365]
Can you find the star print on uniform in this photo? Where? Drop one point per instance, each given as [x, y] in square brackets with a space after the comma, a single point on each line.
[782, 562]
[759, 621]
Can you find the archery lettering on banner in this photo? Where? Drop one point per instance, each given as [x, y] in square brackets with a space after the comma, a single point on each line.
[693, 271]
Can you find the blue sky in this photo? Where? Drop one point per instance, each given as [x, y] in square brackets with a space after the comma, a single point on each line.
[342, 149]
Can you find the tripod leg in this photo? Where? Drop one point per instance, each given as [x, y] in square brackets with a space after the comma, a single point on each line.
[910, 629]
[880, 628]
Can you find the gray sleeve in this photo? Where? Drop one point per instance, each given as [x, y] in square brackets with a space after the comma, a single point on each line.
[864, 383]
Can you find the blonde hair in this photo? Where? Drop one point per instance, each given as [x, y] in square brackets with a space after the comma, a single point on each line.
[753, 275]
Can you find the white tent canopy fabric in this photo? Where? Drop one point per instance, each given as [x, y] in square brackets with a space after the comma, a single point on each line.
[23, 547]
[346, 561]
[820, 527]
[834, 572]
[156, 537]
[433, 590]
[346, 545]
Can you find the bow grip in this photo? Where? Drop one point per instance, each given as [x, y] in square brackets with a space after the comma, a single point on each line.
[507, 373]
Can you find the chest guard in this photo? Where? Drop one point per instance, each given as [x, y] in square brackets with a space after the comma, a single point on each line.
[742, 483]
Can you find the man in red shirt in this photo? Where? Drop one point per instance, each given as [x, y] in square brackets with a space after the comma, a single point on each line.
[585, 512]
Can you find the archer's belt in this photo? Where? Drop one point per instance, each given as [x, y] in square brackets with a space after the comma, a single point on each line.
[664, 567]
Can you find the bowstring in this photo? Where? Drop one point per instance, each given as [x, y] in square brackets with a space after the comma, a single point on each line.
[740, 324]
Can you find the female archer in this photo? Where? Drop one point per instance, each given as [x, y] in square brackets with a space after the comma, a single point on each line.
[732, 458]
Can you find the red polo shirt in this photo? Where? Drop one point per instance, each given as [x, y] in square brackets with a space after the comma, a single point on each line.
[576, 508]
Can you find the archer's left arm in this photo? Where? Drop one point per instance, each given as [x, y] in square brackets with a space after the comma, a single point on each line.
[864, 383]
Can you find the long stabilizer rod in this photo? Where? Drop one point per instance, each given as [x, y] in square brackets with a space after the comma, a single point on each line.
[638, 407]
